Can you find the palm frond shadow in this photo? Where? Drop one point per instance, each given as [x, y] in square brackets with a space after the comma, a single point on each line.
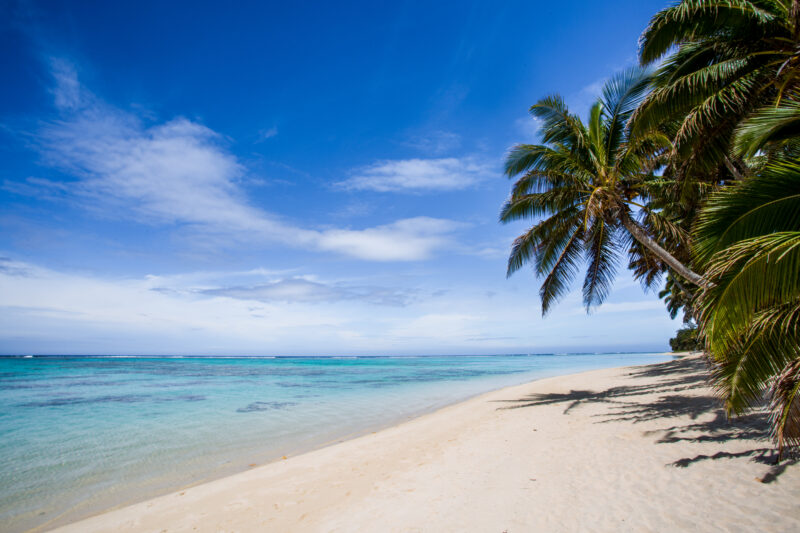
[684, 375]
[676, 379]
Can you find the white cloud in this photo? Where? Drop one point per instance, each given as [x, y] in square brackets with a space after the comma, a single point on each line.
[180, 172]
[46, 305]
[268, 133]
[184, 314]
[445, 174]
[408, 239]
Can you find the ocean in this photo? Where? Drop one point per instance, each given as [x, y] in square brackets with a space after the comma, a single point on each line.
[84, 434]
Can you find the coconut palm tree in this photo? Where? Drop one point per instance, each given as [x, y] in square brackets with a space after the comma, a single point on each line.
[722, 60]
[748, 239]
[587, 181]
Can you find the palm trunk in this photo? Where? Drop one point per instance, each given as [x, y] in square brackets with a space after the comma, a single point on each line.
[679, 268]
[732, 168]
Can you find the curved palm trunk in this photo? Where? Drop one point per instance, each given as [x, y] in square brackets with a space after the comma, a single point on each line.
[679, 268]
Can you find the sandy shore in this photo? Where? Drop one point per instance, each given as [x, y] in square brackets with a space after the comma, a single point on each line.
[629, 449]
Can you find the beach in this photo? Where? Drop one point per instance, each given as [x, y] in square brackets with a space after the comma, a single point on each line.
[400, 267]
[644, 448]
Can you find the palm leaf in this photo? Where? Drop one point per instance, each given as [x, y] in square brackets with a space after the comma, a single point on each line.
[768, 125]
[692, 19]
[750, 275]
[770, 203]
[602, 257]
[785, 407]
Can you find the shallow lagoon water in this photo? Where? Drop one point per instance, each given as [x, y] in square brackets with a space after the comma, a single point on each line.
[83, 434]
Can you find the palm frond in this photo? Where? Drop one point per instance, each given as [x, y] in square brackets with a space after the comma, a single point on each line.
[742, 373]
[602, 257]
[768, 125]
[693, 19]
[559, 126]
[622, 94]
[751, 275]
[785, 407]
[563, 268]
[540, 204]
[770, 203]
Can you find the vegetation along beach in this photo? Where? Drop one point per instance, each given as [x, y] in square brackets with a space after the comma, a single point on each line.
[277, 267]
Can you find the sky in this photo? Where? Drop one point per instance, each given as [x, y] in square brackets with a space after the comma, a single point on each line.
[290, 178]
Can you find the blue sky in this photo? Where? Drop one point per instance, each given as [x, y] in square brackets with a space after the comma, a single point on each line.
[289, 178]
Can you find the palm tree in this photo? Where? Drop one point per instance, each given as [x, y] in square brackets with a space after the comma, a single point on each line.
[733, 57]
[748, 239]
[587, 180]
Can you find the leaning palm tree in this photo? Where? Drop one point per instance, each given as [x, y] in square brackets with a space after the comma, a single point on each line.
[587, 182]
[722, 61]
[748, 239]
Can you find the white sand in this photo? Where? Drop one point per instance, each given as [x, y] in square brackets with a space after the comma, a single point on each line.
[646, 450]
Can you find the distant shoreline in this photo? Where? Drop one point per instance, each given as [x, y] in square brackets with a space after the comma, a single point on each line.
[129, 356]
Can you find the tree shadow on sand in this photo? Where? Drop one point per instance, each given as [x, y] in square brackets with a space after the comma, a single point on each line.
[685, 376]
[677, 386]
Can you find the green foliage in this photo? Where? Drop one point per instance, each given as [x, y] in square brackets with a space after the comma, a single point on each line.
[581, 183]
[749, 237]
[695, 164]
[785, 406]
[733, 58]
[679, 297]
[728, 90]
[686, 339]
[770, 126]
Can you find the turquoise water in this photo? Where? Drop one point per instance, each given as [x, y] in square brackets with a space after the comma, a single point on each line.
[83, 434]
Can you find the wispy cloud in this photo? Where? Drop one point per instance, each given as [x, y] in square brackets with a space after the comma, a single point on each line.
[418, 175]
[301, 290]
[68, 92]
[408, 239]
[181, 173]
[436, 142]
[268, 133]
[265, 285]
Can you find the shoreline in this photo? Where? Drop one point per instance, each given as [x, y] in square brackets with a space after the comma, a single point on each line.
[219, 466]
[396, 423]
[353, 483]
